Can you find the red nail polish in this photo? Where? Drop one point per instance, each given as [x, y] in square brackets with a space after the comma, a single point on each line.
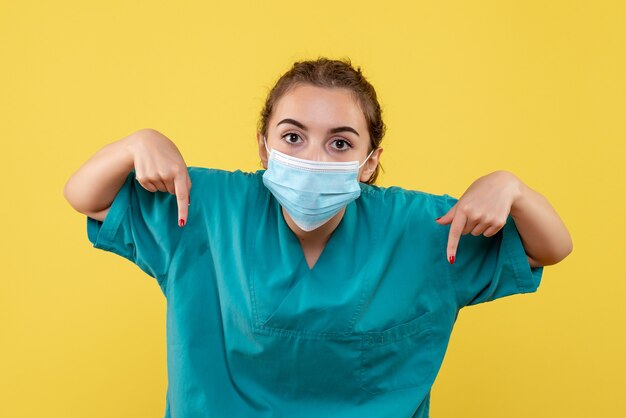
[181, 223]
[438, 218]
[451, 259]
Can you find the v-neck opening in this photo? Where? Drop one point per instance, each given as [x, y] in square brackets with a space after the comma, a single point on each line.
[325, 249]
[303, 265]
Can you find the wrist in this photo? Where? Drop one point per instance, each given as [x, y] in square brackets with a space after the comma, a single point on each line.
[131, 144]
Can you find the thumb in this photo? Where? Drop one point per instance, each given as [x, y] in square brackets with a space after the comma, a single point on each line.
[448, 217]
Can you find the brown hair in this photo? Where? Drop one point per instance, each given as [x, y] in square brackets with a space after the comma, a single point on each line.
[325, 72]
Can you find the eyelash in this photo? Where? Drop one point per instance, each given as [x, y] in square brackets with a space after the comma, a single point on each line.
[339, 139]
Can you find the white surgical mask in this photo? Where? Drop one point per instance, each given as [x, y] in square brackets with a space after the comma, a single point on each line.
[312, 192]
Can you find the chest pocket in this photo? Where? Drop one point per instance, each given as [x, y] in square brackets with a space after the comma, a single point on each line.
[397, 358]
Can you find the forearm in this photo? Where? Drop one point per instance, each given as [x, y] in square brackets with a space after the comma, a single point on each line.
[543, 233]
[95, 184]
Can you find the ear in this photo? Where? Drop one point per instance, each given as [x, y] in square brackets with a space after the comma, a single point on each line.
[370, 166]
[262, 150]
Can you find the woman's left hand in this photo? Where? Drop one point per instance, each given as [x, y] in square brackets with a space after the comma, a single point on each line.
[482, 209]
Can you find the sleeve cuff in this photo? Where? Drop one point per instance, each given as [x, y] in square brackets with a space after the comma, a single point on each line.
[102, 234]
[527, 278]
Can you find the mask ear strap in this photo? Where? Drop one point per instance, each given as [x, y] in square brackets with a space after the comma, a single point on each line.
[267, 149]
[368, 157]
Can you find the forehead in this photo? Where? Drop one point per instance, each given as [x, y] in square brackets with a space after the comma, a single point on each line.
[320, 106]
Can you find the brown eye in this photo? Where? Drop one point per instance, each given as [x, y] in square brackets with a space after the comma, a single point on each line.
[341, 145]
[291, 138]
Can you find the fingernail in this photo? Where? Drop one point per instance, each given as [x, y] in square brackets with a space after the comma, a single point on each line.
[181, 222]
[438, 218]
[451, 259]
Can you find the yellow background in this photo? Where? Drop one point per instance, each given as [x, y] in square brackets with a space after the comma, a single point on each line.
[534, 87]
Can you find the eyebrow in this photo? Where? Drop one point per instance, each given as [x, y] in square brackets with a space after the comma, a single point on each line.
[332, 131]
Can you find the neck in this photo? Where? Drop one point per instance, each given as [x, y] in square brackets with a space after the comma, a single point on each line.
[319, 235]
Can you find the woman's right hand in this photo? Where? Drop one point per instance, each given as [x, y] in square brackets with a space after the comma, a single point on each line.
[160, 166]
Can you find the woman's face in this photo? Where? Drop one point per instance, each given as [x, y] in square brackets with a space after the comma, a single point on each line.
[320, 124]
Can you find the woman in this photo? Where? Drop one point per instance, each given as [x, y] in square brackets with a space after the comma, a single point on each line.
[303, 288]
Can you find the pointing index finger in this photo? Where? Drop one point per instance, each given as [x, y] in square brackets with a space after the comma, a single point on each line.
[456, 229]
[182, 198]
